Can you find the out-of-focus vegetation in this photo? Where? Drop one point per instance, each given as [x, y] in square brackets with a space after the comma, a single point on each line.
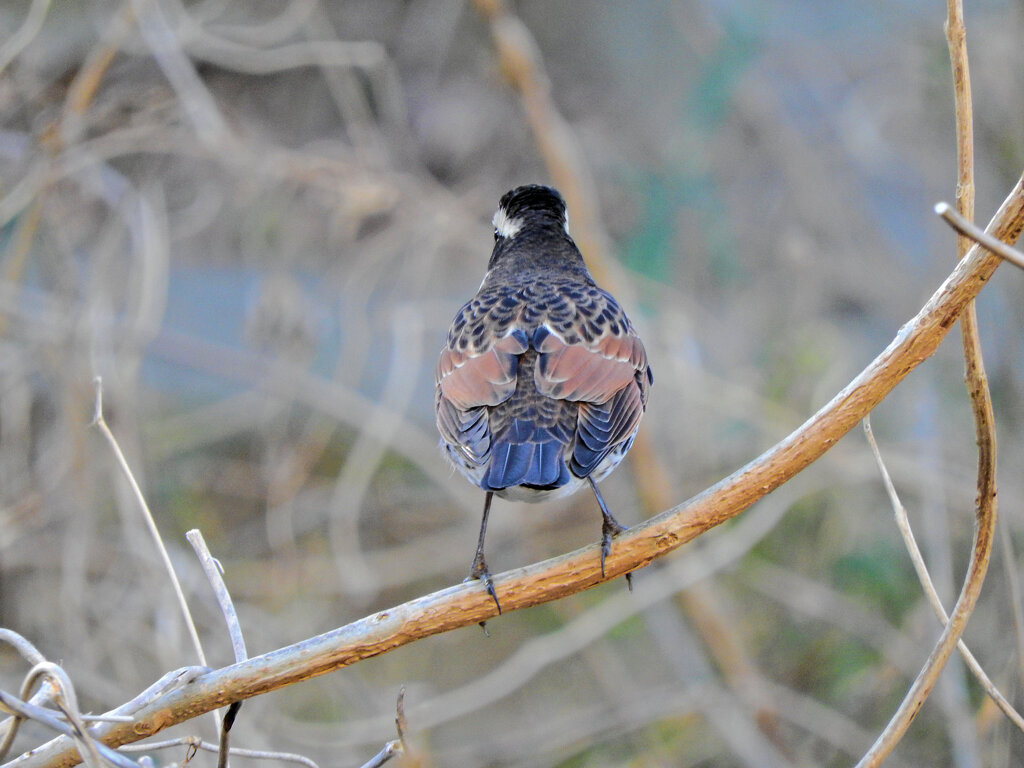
[255, 221]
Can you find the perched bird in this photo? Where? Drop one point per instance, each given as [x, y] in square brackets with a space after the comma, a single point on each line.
[543, 380]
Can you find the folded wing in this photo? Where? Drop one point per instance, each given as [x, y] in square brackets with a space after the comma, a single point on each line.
[609, 377]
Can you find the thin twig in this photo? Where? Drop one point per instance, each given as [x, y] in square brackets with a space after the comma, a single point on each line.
[100, 423]
[1016, 596]
[66, 700]
[903, 524]
[214, 575]
[397, 746]
[400, 723]
[23, 646]
[466, 604]
[196, 743]
[975, 233]
[391, 749]
[32, 655]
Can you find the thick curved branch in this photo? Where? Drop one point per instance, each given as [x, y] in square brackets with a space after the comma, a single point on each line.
[467, 604]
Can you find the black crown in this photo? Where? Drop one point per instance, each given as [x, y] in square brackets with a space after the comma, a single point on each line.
[533, 199]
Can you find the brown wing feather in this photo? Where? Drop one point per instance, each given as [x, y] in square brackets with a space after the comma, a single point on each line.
[609, 378]
[470, 380]
[589, 373]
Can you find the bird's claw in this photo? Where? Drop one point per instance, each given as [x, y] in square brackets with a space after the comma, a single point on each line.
[609, 529]
[481, 573]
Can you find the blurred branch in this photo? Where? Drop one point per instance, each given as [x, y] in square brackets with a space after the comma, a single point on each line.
[1013, 581]
[86, 82]
[520, 59]
[467, 604]
[25, 34]
[810, 597]
[193, 95]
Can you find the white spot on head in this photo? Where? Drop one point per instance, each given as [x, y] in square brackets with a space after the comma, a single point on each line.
[505, 225]
[565, 222]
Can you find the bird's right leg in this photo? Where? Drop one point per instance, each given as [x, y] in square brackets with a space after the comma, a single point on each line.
[610, 528]
[480, 570]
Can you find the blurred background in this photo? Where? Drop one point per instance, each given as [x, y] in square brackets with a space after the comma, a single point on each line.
[255, 222]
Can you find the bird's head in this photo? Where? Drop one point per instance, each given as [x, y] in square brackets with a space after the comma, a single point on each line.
[531, 229]
[529, 207]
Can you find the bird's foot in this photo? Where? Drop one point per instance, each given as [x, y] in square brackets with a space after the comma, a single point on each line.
[481, 572]
[609, 529]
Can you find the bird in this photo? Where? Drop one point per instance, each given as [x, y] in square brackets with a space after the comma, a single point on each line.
[542, 380]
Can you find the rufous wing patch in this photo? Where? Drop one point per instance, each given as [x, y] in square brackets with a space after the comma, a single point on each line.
[469, 380]
[592, 373]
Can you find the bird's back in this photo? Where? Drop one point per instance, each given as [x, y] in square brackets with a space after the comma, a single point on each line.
[542, 383]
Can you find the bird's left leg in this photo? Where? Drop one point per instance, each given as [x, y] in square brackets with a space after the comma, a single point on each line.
[480, 570]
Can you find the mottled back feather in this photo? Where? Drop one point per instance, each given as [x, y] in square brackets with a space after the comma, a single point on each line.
[542, 381]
